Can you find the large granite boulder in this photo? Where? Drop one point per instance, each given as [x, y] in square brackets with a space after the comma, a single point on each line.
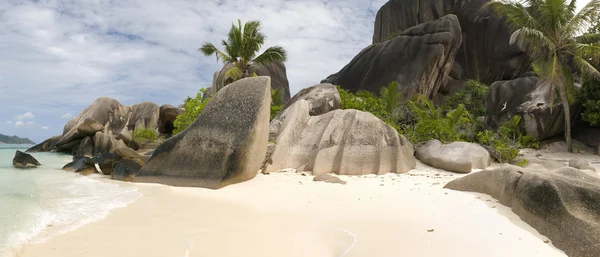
[168, 114]
[125, 170]
[105, 143]
[275, 70]
[103, 110]
[345, 142]
[89, 127]
[84, 166]
[563, 204]
[144, 116]
[225, 145]
[85, 148]
[46, 146]
[485, 53]
[539, 163]
[461, 157]
[107, 161]
[24, 160]
[587, 135]
[321, 99]
[529, 98]
[104, 114]
[420, 59]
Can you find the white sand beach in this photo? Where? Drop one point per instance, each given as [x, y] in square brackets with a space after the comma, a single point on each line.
[287, 214]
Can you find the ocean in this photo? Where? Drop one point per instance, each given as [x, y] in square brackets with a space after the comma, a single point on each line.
[41, 202]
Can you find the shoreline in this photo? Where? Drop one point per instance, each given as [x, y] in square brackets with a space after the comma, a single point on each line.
[287, 214]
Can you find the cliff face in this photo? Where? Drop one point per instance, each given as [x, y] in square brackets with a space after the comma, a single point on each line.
[4, 139]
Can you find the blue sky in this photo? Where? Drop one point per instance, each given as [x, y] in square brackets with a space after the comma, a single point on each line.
[57, 56]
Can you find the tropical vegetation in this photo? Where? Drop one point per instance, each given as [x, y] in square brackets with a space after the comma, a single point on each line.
[554, 36]
[420, 120]
[192, 107]
[241, 48]
[145, 135]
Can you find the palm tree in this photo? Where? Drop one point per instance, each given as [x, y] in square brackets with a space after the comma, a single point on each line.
[392, 100]
[553, 35]
[241, 47]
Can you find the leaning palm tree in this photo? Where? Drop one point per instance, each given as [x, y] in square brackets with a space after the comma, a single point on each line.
[241, 47]
[553, 36]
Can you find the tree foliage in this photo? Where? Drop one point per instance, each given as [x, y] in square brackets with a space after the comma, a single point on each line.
[241, 48]
[554, 36]
[192, 108]
[420, 120]
[472, 97]
[145, 136]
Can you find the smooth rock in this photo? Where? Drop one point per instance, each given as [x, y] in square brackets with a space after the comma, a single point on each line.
[459, 157]
[84, 165]
[226, 144]
[485, 53]
[563, 205]
[24, 160]
[328, 179]
[276, 71]
[125, 170]
[345, 142]
[419, 59]
[144, 115]
[321, 99]
[581, 164]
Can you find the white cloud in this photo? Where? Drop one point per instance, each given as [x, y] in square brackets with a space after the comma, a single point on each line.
[66, 116]
[25, 116]
[44, 128]
[21, 124]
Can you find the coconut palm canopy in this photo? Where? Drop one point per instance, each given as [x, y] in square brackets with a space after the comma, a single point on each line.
[241, 47]
[555, 37]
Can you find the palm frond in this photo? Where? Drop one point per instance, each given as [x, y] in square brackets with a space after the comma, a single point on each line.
[586, 67]
[253, 40]
[272, 54]
[234, 73]
[587, 51]
[517, 14]
[588, 38]
[455, 115]
[534, 42]
[209, 49]
[550, 70]
[580, 21]
[365, 94]
[234, 40]
[277, 96]
[392, 98]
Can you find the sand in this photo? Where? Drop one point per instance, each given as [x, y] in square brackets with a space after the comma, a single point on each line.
[287, 214]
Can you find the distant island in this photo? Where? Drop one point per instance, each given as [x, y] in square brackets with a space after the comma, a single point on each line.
[4, 139]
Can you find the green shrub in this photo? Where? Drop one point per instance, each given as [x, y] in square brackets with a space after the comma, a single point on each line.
[472, 97]
[275, 110]
[431, 123]
[193, 108]
[589, 97]
[145, 136]
[362, 101]
[499, 147]
[505, 143]
[523, 162]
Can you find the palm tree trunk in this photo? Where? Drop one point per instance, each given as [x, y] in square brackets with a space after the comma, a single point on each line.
[564, 99]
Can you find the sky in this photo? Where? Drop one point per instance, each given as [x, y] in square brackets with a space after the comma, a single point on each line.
[58, 56]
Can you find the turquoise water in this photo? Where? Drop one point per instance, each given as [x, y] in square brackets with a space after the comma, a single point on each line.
[33, 200]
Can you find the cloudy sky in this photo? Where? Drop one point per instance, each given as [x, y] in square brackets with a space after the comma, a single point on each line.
[57, 56]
